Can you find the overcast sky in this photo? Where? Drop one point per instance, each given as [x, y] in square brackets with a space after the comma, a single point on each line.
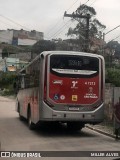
[47, 15]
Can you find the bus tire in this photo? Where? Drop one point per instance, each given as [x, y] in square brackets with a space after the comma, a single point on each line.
[74, 126]
[20, 116]
[31, 125]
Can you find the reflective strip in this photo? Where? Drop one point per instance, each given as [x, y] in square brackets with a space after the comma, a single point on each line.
[72, 71]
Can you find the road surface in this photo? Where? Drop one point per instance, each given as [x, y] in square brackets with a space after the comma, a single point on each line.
[15, 136]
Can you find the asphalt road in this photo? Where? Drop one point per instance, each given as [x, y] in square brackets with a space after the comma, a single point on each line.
[15, 136]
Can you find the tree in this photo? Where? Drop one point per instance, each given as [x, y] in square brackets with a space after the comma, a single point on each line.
[113, 76]
[114, 46]
[42, 45]
[112, 54]
[4, 53]
[95, 26]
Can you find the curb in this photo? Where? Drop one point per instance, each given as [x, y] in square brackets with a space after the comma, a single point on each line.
[102, 132]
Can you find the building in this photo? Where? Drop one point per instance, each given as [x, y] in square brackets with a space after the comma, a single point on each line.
[67, 44]
[72, 44]
[11, 64]
[20, 37]
[96, 45]
[6, 36]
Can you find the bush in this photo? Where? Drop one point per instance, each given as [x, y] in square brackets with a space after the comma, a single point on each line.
[6, 82]
[113, 76]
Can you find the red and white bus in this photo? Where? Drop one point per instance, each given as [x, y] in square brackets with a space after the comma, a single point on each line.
[62, 86]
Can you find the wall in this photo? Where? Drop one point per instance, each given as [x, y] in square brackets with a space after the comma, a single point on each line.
[20, 37]
[23, 34]
[6, 36]
[109, 101]
[26, 42]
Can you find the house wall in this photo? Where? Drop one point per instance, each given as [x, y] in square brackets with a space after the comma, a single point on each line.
[20, 37]
[6, 36]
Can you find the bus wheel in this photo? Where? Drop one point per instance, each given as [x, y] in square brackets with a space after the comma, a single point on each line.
[74, 126]
[31, 125]
[20, 117]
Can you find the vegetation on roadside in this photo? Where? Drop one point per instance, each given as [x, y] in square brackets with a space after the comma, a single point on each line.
[6, 83]
[113, 76]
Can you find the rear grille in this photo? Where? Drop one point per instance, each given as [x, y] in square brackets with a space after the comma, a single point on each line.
[78, 108]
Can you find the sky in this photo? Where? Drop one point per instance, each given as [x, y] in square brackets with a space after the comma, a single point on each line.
[47, 16]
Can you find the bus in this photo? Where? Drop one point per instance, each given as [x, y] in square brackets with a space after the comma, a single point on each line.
[62, 86]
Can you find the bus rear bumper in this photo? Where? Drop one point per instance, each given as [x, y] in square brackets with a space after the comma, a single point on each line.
[91, 117]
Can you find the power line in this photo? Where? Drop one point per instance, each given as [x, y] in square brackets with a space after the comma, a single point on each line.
[114, 38]
[54, 26]
[61, 17]
[112, 29]
[14, 22]
[5, 23]
[86, 2]
[66, 26]
[72, 5]
[70, 20]
[93, 3]
[56, 33]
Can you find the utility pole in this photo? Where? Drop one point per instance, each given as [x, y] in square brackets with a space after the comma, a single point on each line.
[87, 17]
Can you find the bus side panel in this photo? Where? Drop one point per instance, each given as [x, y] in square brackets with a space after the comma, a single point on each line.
[28, 95]
[29, 98]
[22, 102]
[93, 117]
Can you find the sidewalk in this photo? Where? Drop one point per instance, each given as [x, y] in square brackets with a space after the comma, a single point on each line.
[107, 130]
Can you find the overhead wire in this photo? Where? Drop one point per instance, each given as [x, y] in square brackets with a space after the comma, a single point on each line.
[66, 25]
[5, 23]
[93, 3]
[114, 38]
[56, 33]
[72, 5]
[58, 22]
[66, 22]
[14, 22]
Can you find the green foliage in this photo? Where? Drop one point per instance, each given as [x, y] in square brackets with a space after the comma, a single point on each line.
[83, 8]
[6, 82]
[6, 78]
[114, 46]
[4, 53]
[113, 76]
[95, 26]
[8, 91]
[43, 45]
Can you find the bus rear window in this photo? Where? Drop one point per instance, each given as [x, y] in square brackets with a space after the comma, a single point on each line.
[68, 65]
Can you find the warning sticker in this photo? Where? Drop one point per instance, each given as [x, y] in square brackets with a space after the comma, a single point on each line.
[74, 97]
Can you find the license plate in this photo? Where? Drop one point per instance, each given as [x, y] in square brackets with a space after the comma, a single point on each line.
[74, 108]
